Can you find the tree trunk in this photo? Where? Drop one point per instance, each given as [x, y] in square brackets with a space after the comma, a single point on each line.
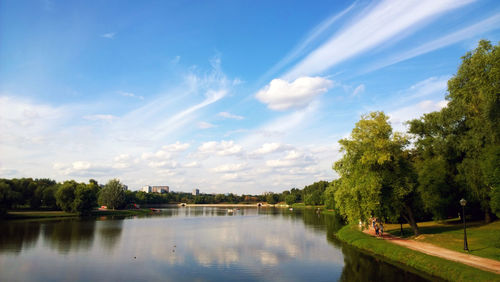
[411, 220]
[487, 216]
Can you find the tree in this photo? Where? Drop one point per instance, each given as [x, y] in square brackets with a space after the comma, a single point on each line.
[85, 199]
[376, 174]
[112, 195]
[329, 194]
[272, 198]
[290, 199]
[65, 195]
[435, 156]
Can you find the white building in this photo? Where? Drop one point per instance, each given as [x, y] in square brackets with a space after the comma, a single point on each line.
[155, 189]
[196, 192]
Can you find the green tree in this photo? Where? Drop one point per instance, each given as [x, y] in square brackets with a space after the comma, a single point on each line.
[112, 195]
[85, 199]
[290, 199]
[329, 194]
[376, 174]
[474, 102]
[272, 198]
[65, 195]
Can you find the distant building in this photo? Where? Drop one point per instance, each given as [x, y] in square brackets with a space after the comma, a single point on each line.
[196, 192]
[125, 187]
[155, 189]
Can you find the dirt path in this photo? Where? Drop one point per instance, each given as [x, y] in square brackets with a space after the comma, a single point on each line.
[433, 250]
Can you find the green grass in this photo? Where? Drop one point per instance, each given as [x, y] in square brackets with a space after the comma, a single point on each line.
[433, 266]
[38, 214]
[35, 214]
[483, 239]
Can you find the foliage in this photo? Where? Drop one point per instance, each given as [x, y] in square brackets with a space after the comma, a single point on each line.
[85, 199]
[112, 195]
[290, 199]
[272, 198]
[329, 195]
[376, 174]
[65, 195]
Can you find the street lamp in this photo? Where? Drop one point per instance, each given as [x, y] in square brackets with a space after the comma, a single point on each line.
[463, 202]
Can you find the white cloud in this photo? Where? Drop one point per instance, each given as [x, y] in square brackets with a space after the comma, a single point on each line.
[205, 125]
[431, 86]
[100, 117]
[230, 167]
[223, 148]
[130, 94]
[491, 23]
[268, 148]
[358, 90]
[163, 164]
[305, 44]
[109, 35]
[386, 21]
[229, 115]
[176, 147]
[283, 95]
[399, 116]
[192, 164]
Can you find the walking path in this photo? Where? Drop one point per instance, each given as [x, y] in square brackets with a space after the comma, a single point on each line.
[433, 250]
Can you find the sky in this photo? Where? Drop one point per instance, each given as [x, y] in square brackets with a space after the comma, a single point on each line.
[223, 96]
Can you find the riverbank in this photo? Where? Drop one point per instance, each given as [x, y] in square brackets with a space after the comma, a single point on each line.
[35, 214]
[431, 265]
[483, 239]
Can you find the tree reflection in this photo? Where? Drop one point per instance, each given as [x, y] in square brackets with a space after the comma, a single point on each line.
[109, 232]
[18, 236]
[70, 235]
[362, 267]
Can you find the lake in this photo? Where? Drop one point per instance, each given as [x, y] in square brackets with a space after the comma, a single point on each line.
[189, 244]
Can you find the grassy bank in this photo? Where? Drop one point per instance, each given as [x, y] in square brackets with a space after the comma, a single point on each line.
[60, 214]
[483, 239]
[433, 266]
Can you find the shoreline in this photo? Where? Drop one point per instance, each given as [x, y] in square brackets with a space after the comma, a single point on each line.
[418, 261]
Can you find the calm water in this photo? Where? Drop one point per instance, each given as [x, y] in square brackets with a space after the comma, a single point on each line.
[188, 244]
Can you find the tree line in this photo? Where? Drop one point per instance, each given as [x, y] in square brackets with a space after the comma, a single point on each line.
[82, 198]
[444, 156]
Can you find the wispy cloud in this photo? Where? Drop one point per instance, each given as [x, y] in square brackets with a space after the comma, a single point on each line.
[358, 90]
[305, 44]
[109, 35]
[130, 94]
[229, 115]
[205, 125]
[101, 117]
[491, 23]
[371, 28]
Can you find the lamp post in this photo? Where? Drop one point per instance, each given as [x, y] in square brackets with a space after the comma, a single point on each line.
[463, 202]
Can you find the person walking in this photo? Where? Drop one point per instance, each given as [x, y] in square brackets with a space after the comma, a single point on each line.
[376, 230]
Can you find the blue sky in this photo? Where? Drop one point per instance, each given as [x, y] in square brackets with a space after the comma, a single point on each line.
[224, 96]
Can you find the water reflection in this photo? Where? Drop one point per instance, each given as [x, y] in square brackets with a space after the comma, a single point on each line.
[17, 236]
[186, 244]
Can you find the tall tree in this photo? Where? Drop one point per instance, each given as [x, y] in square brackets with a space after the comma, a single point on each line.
[85, 199]
[112, 195]
[376, 174]
[65, 195]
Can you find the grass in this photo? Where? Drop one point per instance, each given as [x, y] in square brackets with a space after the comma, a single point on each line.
[483, 239]
[431, 265]
[36, 214]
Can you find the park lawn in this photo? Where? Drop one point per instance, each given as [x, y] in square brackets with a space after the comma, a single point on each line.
[434, 266]
[483, 239]
[36, 214]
